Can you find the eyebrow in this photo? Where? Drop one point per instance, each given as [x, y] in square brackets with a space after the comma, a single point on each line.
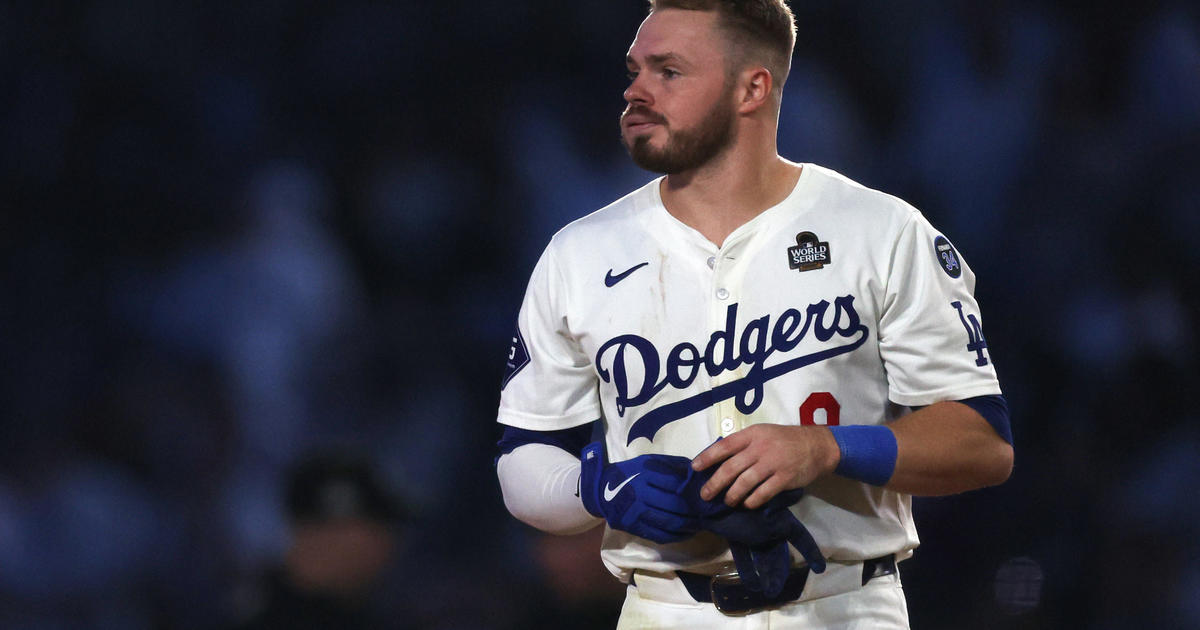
[656, 60]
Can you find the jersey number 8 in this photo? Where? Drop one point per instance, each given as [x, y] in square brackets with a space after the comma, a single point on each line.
[824, 401]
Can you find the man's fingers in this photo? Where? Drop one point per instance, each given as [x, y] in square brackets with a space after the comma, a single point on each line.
[664, 501]
[724, 476]
[745, 483]
[668, 522]
[765, 491]
[718, 451]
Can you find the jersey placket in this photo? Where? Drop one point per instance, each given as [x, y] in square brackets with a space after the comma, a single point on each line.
[729, 268]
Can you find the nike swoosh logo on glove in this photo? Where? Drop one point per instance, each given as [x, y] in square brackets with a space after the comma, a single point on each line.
[610, 279]
[610, 492]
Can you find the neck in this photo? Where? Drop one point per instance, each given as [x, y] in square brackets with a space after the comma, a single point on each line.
[732, 189]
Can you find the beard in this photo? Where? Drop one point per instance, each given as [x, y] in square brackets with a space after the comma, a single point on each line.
[685, 149]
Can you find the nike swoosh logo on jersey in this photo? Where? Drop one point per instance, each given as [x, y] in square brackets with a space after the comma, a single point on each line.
[610, 279]
[610, 492]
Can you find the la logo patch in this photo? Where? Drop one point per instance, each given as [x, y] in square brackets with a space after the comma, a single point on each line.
[809, 253]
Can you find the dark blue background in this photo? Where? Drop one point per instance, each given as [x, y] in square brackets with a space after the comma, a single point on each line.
[235, 232]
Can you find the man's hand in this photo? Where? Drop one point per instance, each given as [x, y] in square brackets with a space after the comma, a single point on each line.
[763, 460]
[638, 495]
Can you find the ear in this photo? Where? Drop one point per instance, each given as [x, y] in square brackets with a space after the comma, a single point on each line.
[754, 85]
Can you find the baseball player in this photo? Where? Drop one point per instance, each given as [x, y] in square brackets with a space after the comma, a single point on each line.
[772, 357]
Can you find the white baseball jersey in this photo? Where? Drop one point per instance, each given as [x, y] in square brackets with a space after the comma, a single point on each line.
[839, 305]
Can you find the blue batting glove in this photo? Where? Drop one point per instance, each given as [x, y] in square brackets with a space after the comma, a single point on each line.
[759, 542]
[764, 569]
[758, 539]
[638, 495]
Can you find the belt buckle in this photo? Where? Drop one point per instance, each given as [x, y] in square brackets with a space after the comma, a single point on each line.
[719, 587]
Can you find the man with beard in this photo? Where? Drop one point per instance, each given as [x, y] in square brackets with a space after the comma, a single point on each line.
[774, 358]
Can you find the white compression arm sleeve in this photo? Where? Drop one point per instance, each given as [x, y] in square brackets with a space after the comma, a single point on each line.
[539, 483]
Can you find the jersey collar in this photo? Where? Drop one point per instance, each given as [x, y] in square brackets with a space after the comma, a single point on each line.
[663, 224]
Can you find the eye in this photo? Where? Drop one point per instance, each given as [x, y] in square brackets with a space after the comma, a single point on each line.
[670, 73]
[632, 75]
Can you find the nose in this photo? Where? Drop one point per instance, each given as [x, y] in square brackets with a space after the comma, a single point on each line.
[636, 93]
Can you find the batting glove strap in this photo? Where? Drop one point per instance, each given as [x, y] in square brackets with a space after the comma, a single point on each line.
[591, 461]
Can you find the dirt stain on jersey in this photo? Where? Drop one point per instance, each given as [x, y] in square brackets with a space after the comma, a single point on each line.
[662, 283]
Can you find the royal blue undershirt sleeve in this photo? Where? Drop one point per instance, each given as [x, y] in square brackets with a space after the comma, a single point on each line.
[570, 440]
[994, 409]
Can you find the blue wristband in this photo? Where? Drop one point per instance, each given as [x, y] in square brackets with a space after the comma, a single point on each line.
[868, 452]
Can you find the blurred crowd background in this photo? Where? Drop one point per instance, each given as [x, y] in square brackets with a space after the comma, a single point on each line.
[237, 233]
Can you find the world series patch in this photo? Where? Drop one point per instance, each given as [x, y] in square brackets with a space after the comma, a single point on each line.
[947, 257]
[809, 253]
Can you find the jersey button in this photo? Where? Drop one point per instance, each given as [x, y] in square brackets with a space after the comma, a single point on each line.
[722, 293]
[712, 262]
[727, 427]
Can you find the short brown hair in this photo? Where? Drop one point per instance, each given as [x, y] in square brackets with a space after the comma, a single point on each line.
[764, 26]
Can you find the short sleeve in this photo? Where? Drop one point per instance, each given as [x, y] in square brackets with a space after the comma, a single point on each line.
[548, 383]
[931, 331]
